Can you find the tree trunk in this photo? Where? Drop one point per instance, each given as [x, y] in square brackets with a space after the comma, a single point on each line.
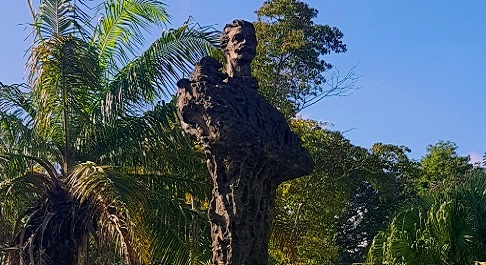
[250, 151]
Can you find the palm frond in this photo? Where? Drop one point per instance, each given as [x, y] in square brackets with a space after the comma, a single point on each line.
[168, 247]
[16, 112]
[180, 230]
[14, 134]
[113, 198]
[118, 205]
[121, 28]
[52, 217]
[57, 18]
[377, 249]
[20, 193]
[15, 100]
[65, 77]
[154, 74]
[152, 142]
[440, 229]
[88, 178]
[47, 167]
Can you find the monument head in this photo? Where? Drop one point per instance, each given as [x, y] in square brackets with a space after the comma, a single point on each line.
[238, 43]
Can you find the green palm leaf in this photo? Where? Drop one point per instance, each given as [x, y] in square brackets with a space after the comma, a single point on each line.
[65, 78]
[121, 27]
[440, 229]
[154, 74]
[57, 18]
[115, 211]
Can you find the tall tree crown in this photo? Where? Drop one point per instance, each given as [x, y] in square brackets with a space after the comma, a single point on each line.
[289, 63]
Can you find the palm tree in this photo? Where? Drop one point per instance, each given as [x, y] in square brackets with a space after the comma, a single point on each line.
[446, 228]
[91, 170]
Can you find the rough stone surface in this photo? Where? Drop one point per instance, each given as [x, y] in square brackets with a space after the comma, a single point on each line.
[249, 148]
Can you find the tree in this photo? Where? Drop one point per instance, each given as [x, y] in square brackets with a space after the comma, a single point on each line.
[90, 171]
[361, 219]
[305, 207]
[442, 167]
[333, 214]
[443, 225]
[446, 227]
[374, 201]
[289, 64]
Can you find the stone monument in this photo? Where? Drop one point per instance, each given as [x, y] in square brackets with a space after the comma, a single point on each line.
[249, 147]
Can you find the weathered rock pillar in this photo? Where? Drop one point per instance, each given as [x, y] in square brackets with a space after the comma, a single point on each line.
[248, 144]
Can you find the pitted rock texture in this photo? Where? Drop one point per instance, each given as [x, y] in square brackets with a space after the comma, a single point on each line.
[250, 150]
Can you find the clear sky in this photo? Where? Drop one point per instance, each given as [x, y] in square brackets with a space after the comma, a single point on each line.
[422, 65]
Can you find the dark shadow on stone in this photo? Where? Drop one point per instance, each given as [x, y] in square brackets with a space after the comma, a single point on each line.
[248, 144]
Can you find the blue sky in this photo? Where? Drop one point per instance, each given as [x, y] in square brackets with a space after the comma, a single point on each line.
[422, 65]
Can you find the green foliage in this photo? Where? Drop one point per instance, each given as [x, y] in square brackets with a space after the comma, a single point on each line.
[90, 170]
[442, 167]
[119, 33]
[289, 64]
[305, 229]
[373, 202]
[305, 208]
[447, 227]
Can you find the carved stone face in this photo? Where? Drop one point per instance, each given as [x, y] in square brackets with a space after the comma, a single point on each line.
[241, 46]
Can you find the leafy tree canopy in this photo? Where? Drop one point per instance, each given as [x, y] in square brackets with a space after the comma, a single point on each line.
[306, 229]
[442, 167]
[374, 201]
[289, 64]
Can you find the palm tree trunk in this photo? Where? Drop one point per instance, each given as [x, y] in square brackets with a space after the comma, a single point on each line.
[66, 113]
